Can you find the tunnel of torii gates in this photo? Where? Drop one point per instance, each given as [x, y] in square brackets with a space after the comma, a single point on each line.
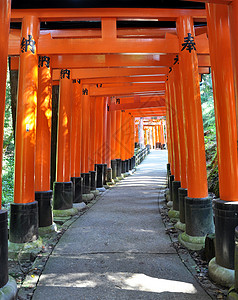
[150, 132]
[107, 77]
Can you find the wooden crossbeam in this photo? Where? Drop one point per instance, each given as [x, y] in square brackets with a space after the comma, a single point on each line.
[109, 44]
[121, 32]
[111, 72]
[148, 112]
[128, 79]
[113, 91]
[143, 99]
[78, 14]
[141, 105]
[115, 72]
[112, 60]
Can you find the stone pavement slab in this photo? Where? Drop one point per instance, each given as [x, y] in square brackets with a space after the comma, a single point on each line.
[119, 249]
[118, 276]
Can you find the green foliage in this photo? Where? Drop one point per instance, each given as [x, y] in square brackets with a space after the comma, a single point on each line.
[209, 133]
[8, 152]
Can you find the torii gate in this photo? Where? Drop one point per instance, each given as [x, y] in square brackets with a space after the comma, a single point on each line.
[97, 57]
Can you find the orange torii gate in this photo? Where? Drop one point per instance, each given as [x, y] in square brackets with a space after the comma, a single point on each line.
[95, 67]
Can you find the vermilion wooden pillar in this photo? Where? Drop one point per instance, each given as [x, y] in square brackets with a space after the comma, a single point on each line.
[141, 133]
[108, 142]
[180, 108]
[43, 123]
[76, 140]
[123, 140]
[118, 142]
[181, 126]
[157, 135]
[128, 141]
[99, 167]
[159, 132]
[174, 127]
[5, 10]
[104, 145]
[113, 131]
[76, 129]
[233, 26]
[24, 187]
[153, 137]
[197, 174]
[85, 126]
[176, 139]
[92, 159]
[145, 135]
[93, 113]
[169, 143]
[113, 141]
[199, 221]
[64, 126]
[86, 139]
[134, 136]
[225, 115]
[105, 100]
[43, 194]
[224, 100]
[162, 132]
[128, 144]
[170, 128]
[99, 129]
[118, 133]
[63, 187]
[182, 191]
[108, 139]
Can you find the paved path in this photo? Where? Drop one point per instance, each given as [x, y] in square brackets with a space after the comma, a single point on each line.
[118, 249]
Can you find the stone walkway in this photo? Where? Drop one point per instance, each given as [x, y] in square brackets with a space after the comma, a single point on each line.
[118, 249]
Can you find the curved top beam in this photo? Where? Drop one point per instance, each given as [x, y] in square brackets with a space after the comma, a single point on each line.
[78, 14]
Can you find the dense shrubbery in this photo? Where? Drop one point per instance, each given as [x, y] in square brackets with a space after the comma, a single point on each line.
[210, 133]
[8, 152]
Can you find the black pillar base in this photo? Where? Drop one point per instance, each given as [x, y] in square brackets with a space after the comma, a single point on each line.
[119, 167]
[3, 248]
[23, 222]
[105, 174]
[45, 215]
[93, 180]
[182, 193]
[168, 167]
[114, 168]
[99, 175]
[236, 259]
[175, 186]
[130, 164]
[226, 221]
[77, 189]
[127, 165]
[133, 162]
[168, 172]
[123, 166]
[86, 183]
[171, 179]
[109, 175]
[62, 195]
[199, 216]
